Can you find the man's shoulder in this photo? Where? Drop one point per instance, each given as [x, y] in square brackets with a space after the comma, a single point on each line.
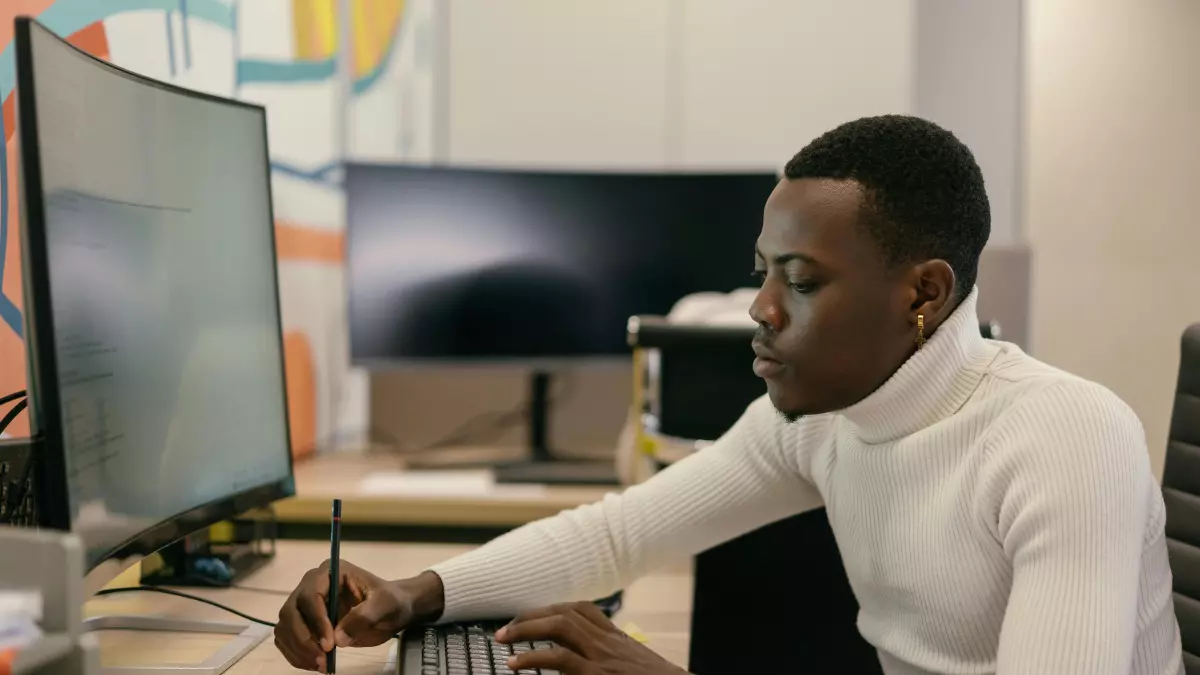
[1022, 386]
[1048, 412]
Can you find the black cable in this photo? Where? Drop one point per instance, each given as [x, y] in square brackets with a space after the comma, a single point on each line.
[26, 473]
[11, 397]
[479, 428]
[212, 583]
[188, 596]
[264, 591]
[12, 414]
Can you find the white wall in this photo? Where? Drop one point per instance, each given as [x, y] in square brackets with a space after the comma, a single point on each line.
[1113, 172]
[759, 79]
[662, 83]
[970, 80]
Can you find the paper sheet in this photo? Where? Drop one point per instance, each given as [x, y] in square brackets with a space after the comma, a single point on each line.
[480, 483]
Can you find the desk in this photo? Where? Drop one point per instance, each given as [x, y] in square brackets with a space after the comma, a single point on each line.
[660, 605]
[469, 518]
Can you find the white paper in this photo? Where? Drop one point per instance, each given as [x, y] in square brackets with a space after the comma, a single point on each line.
[436, 483]
[20, 605]
[18, 634]
[20, 613]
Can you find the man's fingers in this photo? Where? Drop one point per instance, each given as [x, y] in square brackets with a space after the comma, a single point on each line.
[559, 628]
[297, 658]
[362, 619]
[595, 616]
[541, 612]
[315, 616]
[294, 634]
[560, 659]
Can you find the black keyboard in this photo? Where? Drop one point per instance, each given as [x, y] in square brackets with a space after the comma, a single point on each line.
[462, 649]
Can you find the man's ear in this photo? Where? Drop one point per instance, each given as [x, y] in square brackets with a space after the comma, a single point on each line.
[933, 285]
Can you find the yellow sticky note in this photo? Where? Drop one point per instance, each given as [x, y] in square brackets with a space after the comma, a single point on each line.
[631, 629]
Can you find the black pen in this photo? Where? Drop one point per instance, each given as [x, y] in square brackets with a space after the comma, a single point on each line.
[335, 578]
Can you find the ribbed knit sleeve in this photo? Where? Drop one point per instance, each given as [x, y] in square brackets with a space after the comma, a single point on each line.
[1066, 483]
[748, 478]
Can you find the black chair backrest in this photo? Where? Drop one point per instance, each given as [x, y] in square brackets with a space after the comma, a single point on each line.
[705, 381]
[1181, 492]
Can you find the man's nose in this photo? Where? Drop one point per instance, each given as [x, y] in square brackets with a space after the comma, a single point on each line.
[765, 310]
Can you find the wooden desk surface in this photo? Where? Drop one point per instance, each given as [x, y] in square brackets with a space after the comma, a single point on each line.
[659, 604]
[320, 479]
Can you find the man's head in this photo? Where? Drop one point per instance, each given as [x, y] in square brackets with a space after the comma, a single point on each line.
[875, 223]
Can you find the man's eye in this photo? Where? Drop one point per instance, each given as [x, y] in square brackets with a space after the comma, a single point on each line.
[803, 287]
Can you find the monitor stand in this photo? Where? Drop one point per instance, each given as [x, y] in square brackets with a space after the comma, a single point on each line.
[243, 638]
[543, 467]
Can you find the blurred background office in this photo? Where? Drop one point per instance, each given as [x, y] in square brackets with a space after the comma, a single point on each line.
[1082, 114]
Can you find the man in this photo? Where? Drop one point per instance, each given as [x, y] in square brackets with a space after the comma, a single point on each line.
[993, 514]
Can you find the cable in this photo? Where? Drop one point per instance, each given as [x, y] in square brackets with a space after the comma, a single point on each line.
[11, 397]
[12, 414]
[187, 596]
[202, 581]
[265, 591]
[479, 428]
[26, 473]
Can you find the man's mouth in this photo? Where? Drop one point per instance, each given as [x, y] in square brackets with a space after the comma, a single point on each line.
[766, 365]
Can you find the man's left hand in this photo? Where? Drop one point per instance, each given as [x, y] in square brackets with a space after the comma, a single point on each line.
[586, 643]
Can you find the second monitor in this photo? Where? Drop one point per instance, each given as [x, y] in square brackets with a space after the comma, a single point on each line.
[537, 268]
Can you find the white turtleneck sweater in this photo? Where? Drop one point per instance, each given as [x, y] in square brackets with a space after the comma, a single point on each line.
[994, 515]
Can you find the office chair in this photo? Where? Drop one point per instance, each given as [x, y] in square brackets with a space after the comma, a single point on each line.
[1181, 493]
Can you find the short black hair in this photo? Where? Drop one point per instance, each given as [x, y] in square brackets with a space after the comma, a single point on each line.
[923, 192]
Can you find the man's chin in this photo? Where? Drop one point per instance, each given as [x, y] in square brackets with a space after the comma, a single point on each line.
[790, 413]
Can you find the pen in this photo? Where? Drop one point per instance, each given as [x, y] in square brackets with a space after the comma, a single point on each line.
[335, 578]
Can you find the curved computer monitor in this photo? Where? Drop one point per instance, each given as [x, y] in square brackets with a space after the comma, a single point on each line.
[492, 265]
[152, 310]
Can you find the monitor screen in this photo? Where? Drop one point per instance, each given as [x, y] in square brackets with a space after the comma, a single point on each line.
[152, 303]
[483, 265]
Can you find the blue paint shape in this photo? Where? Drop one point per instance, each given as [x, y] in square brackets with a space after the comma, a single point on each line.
[170, 44]
[12, 316]
[320, 174]
[187, 35]
[250, 71]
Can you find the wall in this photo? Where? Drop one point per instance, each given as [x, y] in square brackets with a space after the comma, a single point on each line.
[324, 102]
[970, 79]
[1113, 170]
[668, 83]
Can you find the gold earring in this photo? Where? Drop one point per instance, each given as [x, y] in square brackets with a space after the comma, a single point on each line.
[920, 331]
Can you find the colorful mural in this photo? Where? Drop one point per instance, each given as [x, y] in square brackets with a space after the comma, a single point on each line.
[285, 54]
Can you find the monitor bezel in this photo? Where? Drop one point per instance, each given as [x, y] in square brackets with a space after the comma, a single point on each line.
[39, 335]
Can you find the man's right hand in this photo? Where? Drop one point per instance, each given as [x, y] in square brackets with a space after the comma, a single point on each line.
[372, 610]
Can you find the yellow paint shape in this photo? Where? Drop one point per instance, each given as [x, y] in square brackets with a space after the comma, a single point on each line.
[631, 629]
[314, 25]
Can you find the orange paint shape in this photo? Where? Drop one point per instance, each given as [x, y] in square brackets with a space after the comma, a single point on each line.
[92, 39]
[11, 9]
[309, 244]
[10, 284]
[12, 376]
[301, 376]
